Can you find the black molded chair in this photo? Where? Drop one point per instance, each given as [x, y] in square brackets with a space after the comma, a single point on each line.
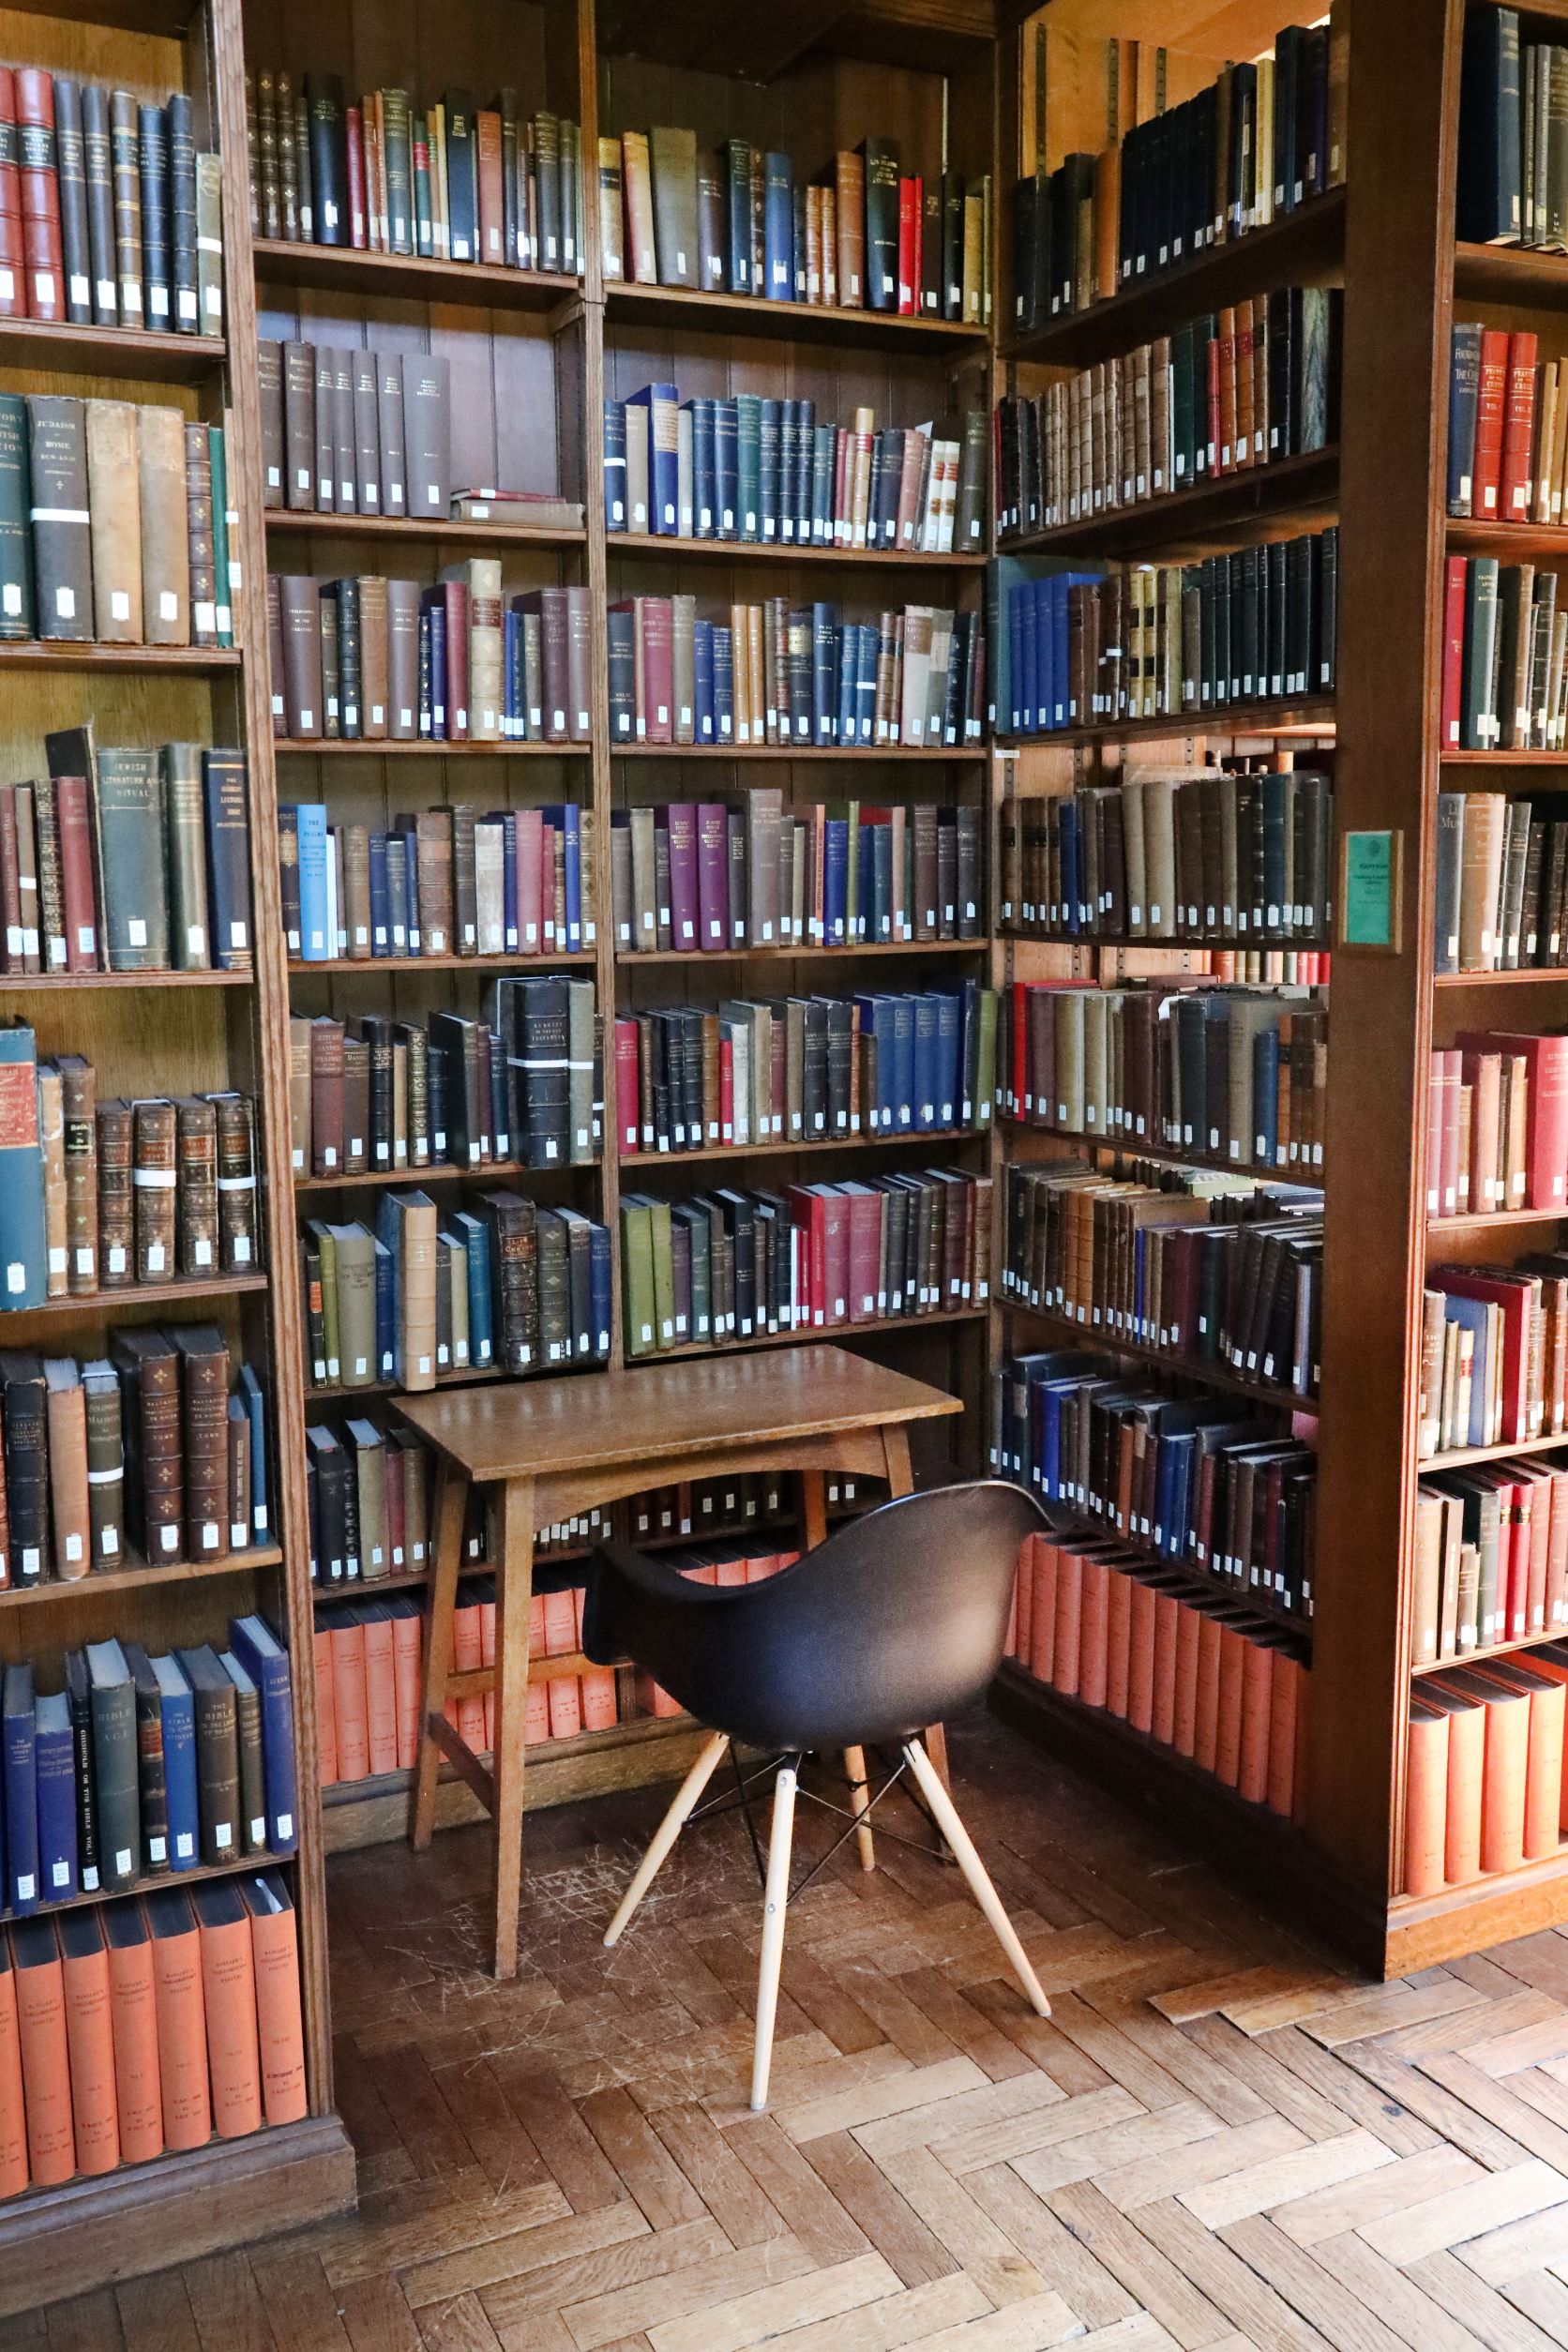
[896, 1621]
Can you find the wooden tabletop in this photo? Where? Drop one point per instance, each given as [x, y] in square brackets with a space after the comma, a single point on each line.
[539, 1428]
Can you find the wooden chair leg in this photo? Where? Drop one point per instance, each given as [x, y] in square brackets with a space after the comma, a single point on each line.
[860, 1804]
[974, 1873]
[514, 1587]
[669, 1830]
[776, 1901]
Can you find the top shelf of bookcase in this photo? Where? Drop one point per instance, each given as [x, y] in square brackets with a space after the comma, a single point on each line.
[1510, 273]
[661, 306]
[348, 269]
[163, 19]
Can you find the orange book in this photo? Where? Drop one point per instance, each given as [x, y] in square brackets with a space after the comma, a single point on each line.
[1426, 1796]
[1070, 1621]
[350, 1708]
[280, 2019]
[468, 1651]
[133, 2013]
[561, 1617]
[599, 1699]
[182, 2025]
[228, 1996]
[1544, 1751]
[1301, 1775]
[1167, 1610]
[566, 1707]
[1041, 1635]
[327, 1736]
[1140, 1657]
[407, 1677]
[1205, 1746]
[730, 1571]
[1252, 1771]
[537, 1625]
[13, 2101]
[1022, 1615]
[1505, 1766]
[1466, 1749]
[1091, 1631]
[535, 1709]
[761, 1565]
[380, 1689]
[90, 2039]
[1119, 1604]
[487, 1658]
[1227, 1730]
[40, 2015]
[1184, 1731]
[1284, 1700]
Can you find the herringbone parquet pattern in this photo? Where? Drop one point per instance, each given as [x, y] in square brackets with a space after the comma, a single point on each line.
[1216, 2141]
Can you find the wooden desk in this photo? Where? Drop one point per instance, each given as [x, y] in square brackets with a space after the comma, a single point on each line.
[555, 1447]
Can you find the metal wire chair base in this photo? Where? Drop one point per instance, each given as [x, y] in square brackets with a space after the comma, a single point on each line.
[739, 1799]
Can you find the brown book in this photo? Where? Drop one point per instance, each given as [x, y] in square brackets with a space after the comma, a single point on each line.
[269, 385]
[636, 180]
[374, 679]
[165, 526]
[300, 1058]
[237, 1226]
[70, 1516]
[115, 499]
[105, 1462]
[364, 367]
[327, 1096]
[196, 1198]
[402, 659]
[302, 656]
[52, 1145]
[154, 1468]
[848, 179]
[155, 1181]
[78, 1099]
[433, 833]
[204, 1359]
[323, 451]
[185, 809]
[51, 902]
[355, 845]
[356, 1106]
[201, 549]
[493, 240]
[117, 1195]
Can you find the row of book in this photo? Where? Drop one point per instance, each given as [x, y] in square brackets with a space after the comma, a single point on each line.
[98, 1196]
[141, 1766]
[1195, 1674]
[1511, 188]
[1493, 1344]
[1505, 657]
[518, 882]
[1264, 138]
[1148, 640]
[1491, 1557]
[763, 470]
[109, 214]
[132, 2028]
[373, 1094]
[117, 523]
[1174, 854]
[368, 659]
[1199, 1482]
[503, 1287]
[1483, 1788]
[1496, 1125]
[354, 433]
[1237, 388]
[805, 1070]
[1507, 427]
[1227, 1075]
[711, 876]
[782, 674]
[731, 1265]
[369, 1491]
[451, 182]
[142, 1454]
[735, 219]
[1501, 883]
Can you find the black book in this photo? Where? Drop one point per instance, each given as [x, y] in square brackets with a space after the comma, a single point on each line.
[26, 1445]
[1489, 144]
[463, 177]
[329, 159]
[152, 1781]
[71, 165]
[80, 1697]
[882, 223]
[99, 163]
[182, 215]
[152, 127]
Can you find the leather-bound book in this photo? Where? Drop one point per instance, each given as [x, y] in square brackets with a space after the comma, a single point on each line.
[196, 1195]
[402, 658]
[40, 193]
[165, 525]
[73, 820]
[65, 1405]
[490, 245]
[18, 606]
[344, 596]
[71, 173]
[427, 435]
[52, 1145]
[356, 1105]
[461, 177]
[201, 538]
[185, 303]
[131, 824]
[13, 283]
[326, 1096]
[302, 656]
[465, 904]
[185, 810]
[635, 173]
[235, 1186]
[209, 242]
[329, 171]
[371, 599]
[434, 845]
[62, 537]
[485, 686]
[116, 1198]
[850, 189]
[152, 136]
[77, 1087]
[51, 908]
[105, 1464]
[125, 165]
[157, 1180]
[204, 1358]
[217, 1780]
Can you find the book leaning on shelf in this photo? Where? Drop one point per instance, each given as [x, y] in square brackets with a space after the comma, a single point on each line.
[109, 216]
[504, 1286]
[735, 219]
[1491, 1557]
[450, 182]
[137, 2027]
[447, 882]
[1243, 387]
[806, 1070]
[116, 524]
[731, 1265]
[714, 876]
[142, 1455]
[782, 674]
[369, 1490]
[1484, 1771]
[763, 470]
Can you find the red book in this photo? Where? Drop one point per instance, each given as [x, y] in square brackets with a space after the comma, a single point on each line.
[1453, 651]
[1426, 1796]
[326, 1714]
[1252, 1779]
[657, 620]
[407, 1625]
[1163, 1722]
[13, 294]
[1042, 1632]
[349, 1701]
[90, 2037]
[1213, 350]
[1285, 1710]
[41, 192]
[456, 593]
[1518, 431]
[1491, 406]
[908, 257]
[353, 125]
[1119, 1604]
[1094, 1614]
[547, 838]
[726, 1089]
[1140, 1657]
[1184, 1729]
[866, 1227]
[74, 820]
[1067, 1663]
[229, 2003]
[1547, 1112]
[1512, 1297]
[627, 1119]
[280, 2021]
[13, 2101]
[381, 1690]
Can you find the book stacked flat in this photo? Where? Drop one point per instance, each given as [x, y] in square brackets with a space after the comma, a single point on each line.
[715, 1564]
[1496, 1125]
[370, 1503]
[134, 2028]
[1494, 1349]
[504, 1286]
[735, 219]
[369, 660]
[766, 473]
[519, 882]
[730, 1265]
[715, 876]
[1505, 656]
[1485, 1790]
[109, 216]
[1239, 388]
[795, 674]
[1195, 1481]
[1229, 1076]
[142, 1766]
[806, 1070]
[142, 1455]
[118, 525]
[1512, 188]
[1231, 1279]
[1491, 1558]
[1260, 142]
[1145, 641]
[451, 182]
[1201, 1677]
[1502, 882]
[373, 1093]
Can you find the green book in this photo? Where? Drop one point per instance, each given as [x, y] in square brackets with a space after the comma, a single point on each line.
[324, 1238]
[353, 1287]
[1478, 730]
[637, 1274]
[419, 146]
[185, 813]
[664, 1273]
[985, 1088]
[694, 1218]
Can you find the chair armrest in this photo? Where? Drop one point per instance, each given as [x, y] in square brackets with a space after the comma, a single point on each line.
[618, 1575]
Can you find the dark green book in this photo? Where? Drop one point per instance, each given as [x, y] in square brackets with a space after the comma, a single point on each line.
[882, 223]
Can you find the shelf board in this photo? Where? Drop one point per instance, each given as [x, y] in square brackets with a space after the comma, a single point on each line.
[1524, 1642]
[1517, 538]
[130, 352]
[1457, 1460]
[417, 530]
[1268, 1393]
[927, 1140]
[1165, 1155]
[1305, 241]
[788, 322]
[1033, 938]
[64, 654]
[867, 756]
[346, 269]
[425, 748]
[768, 552]
[335, 1392]
[1532, 976]
[1288, 491]
[342, 967]
[213, 1285]
[1518, 274]
[45, 983]
[1306, 715]
[138, 1572]
[1489, 1220]
[877, 1327]
[629, 960]
[1505, 759]
[441, 1172]
[161, 1879]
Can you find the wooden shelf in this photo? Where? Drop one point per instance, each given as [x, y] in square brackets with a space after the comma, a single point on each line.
[1201, 1583]
[1491, 1650]
[870, 755]
[1288, 493]
[335, 1392]
[878, 1327]
[1307, 715]
[45, 983]
[631, 1734]
[1513, 274]
[630, 959]
[132, 354]
[769, 551]
[1303, 244]
[49, 654]
[1489, 1220]
[1505, 759]
[441, 1172]
[1271, 1394]
[1533, 976]
[1031, 938]
[162, 1879]
[423, 747]
[345, 967]
[417, 530]
[1515, 539]
[1164, 1154]
[137, 1573]
[1464, 1454]
[213, 1285]
[344, 269]
[661, 306]
[927, 1140]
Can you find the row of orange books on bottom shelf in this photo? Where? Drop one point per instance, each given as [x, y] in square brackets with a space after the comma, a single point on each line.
[368, 1658]
[1485, 1790]
[1204, 1678]
[138, 2028]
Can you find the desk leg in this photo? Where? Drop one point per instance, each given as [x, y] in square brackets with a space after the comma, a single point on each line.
[451, 1506]
[900, 1481]
[514, 1592]
[813, 1528]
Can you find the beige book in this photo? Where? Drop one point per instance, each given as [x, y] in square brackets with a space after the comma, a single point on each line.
[416, 1233]
[1480, 881]
[69, 1513]
[484, 649]
[354, 1250]
[918, 627]
[1097, 1062]
[299, 1092]
[165, 537]
[114, 497]
[1070, 1107]
[457, 1256]
[757, 684]
[56, 1218]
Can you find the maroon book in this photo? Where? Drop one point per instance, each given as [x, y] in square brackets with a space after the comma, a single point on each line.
[657, 619]
[681, 820]
[40, 193]
[13, 293]
[456, 594]
[73, 820]
[713, 876]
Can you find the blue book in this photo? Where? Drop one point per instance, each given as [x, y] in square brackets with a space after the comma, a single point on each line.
[474, 1235]
[727, 467]
[315, 946]
[826, 660]
[255, 1413]
[835, 874]
[55, 1754]
[24, 1254]
[1043, 645]
[435, 615]
[704, 474]
[567, 818]
[662, 402]
[703, 681]
[615, 466]
[599, 1288]
[723, 685]
[387, 1308]
[1265, 1097]
[1061, 588]
[19, 1763]
[177, 1707]
[924, 1099]
[506, 819]
[881, 933]
[1471, 1315]
[380, 902]
[1464, 395]
[948, 1068]
[265, 1660]
[866, 685]
[899, 1094]
[770, 465]
[779, 228]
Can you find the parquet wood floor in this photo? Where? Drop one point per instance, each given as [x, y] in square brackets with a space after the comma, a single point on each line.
[1218, 2140]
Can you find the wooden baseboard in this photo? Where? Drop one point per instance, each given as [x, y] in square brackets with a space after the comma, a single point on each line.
[88, 2234]
[1424, 1931]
